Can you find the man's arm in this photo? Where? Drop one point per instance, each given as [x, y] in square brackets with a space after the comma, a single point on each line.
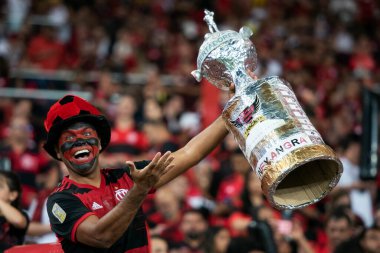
[195, 150]
[104, 232]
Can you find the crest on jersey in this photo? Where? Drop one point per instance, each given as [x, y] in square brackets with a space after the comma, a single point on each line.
[120, 194]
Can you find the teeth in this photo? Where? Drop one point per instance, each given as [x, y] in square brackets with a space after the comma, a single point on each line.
[81, 152]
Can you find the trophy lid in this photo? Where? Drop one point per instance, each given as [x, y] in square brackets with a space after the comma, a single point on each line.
[215, 39]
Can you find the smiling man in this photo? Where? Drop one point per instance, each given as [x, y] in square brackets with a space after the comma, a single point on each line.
[99, 209]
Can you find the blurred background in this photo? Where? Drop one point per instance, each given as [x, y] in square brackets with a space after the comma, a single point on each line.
[133, 58]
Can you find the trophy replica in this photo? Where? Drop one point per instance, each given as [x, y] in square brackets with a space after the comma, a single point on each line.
[295, 166]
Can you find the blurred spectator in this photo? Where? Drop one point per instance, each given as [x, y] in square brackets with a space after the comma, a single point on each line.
[362, 61]
[246, 245]
[360, 195]
[58, 15]
[166, 220]
[377, 215]
[194, 228]
[190, 124]
[173, 110]
[39, 230]
[340, 199]
[123, 54]
[260, 239]
[198, 195]
[253, 206]
[343, 43]
[154, 87]
[252, 195]
[108, 88]
[159, 137]
[152, 110]
[159, 245]
[91, 46]
[12, 49]
[291, 238]
[231, 187]
[127, 142]
[22, 155]
[17, 11]
[338, 229]
[345, 10]
[13, 221]
[45, 51]
[218, 239]
[368, 241]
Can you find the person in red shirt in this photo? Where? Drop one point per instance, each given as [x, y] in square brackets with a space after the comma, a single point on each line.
[127, 142]
[231, 187]
[18, 153]
[99, 210]
[339, 228]
[45, 51]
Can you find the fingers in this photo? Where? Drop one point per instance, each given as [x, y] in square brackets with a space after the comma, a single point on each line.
[252, 74]
[155, 160]
[164, 161]
[231, 90]
[168, 161]
[165, 157]
[132, 167]
[232, 87]
[160, 164]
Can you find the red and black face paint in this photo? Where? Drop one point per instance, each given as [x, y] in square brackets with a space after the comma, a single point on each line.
[79, 146]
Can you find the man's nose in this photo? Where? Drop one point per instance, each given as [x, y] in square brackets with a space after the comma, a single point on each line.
[79, 142]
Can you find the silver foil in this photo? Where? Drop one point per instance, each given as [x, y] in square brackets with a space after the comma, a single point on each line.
[295, 166]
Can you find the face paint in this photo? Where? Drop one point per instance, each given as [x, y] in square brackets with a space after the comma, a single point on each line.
[79, 146]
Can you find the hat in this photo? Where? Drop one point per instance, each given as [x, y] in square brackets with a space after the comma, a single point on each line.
[71, 109]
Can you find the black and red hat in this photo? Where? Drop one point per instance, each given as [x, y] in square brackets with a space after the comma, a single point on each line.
[71, 109]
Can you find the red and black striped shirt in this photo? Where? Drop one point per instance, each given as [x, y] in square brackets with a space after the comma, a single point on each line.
[71, 203]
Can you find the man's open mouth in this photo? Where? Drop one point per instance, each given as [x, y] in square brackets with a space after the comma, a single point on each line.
[83, 156]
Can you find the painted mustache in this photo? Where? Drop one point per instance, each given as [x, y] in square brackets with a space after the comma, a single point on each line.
[79, 142]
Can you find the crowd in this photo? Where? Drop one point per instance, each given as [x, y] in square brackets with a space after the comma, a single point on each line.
[328, 50]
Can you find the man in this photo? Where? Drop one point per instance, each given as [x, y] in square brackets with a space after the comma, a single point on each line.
[99, 210]
[159, 245]
[339, 228]
[360, 191]
[368, 241]
[194, 228]
[18, 155]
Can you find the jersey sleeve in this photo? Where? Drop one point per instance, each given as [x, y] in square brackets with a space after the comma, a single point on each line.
[66, 212]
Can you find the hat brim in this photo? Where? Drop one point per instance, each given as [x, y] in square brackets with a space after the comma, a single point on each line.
[100, 123]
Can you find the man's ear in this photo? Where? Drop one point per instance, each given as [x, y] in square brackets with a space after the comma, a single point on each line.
[58, 154]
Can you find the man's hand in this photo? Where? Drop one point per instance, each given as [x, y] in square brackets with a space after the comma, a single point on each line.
[231, 90]
[146, 178]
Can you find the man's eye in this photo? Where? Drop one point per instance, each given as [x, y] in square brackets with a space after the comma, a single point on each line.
[69, 138]
[87, 134]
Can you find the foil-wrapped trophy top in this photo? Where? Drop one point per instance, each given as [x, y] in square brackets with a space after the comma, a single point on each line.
[223, 54]
[295, 166]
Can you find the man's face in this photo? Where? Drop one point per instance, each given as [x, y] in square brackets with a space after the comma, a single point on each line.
[371, 241]
[338, 230]
[193, 226]
[79, 147]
